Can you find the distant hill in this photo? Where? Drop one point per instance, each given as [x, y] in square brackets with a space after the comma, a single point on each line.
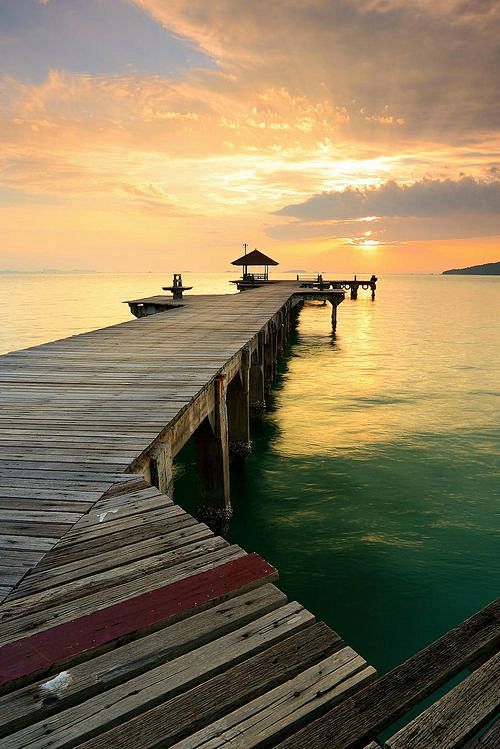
[488, 269]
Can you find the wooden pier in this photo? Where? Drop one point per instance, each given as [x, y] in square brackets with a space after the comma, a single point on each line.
[125, 621]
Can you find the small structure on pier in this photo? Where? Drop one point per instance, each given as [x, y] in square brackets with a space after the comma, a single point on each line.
[177, 288]
[319, 282]
[250, 260]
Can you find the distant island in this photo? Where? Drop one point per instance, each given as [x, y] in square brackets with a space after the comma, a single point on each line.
[488, 269]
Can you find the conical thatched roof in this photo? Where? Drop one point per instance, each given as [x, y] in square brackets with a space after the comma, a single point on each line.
[254, 258]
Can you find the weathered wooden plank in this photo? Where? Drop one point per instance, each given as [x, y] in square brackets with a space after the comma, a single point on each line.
[80, 549]
[138, 542]
[115, 524]
[13, 626]
[280, 711]
[26, 657]
[201, 705]
[153, 687]
[21, 558]
[364, 715]
[491, 737]
[457, 716]
[67, 591]
[52, 576]
[30, 704]
[36, 528]
[28, 543]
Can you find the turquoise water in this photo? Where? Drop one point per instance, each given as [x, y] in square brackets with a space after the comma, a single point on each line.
[373, 483]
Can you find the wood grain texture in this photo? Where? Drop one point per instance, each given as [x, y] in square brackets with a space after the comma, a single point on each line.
[43, 651]
[365, 714]
[32, 703]
[189, 711]
[457, 716]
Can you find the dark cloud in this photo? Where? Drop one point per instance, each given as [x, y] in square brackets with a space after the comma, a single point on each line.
[427, 198]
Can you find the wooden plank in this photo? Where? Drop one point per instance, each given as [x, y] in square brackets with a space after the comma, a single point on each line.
[28, 543]
[30, 704]
[67, 591]
[364, 715]
[491, 737]
[36, 528]
[16, 611]
[53, 576]
[201, 705]
[27, 657]
[166, 680]
[457, 716]
[138, 548]
[280, 711]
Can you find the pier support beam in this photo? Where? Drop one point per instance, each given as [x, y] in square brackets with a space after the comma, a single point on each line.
[257, 381]
[157, 468]
[161, 472]
[334, 301]
[270, 356]
[280, 332]
[238, 409]
[212, 452]
[354, 291]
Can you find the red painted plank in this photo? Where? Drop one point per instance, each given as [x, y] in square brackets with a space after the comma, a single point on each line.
[38, 652]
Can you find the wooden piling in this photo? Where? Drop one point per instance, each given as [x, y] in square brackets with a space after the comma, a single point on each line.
[212, 456]
[257, 394]
[238, 409]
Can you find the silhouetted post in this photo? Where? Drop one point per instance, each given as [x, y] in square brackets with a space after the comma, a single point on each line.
[212, 452]
[354, 290]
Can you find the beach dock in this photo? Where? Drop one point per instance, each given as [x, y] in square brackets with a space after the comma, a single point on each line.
[125, 621]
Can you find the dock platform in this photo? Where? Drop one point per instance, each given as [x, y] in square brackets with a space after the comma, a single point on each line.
[125, 621]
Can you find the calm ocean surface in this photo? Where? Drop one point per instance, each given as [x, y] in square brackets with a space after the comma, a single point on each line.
[373, 484]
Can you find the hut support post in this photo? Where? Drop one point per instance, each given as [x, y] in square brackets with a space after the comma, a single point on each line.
[238, 409]
[212, 451]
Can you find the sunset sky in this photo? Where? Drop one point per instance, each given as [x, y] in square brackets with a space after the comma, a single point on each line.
[335, 135]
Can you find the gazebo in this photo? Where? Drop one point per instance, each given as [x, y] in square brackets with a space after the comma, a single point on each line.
[255, 258]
